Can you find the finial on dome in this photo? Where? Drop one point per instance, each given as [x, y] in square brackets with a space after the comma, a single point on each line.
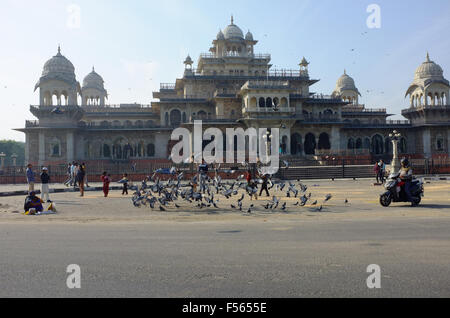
[59, 49]
[345, 72]
[93, 69]
[232, 20]
[428, 57]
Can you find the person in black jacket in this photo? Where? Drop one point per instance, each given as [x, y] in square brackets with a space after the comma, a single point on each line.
[45, 180]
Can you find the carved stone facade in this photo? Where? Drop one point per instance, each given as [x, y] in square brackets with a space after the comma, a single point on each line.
[232, 86]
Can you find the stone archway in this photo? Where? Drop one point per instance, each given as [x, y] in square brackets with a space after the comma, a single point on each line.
[296, 144]
[324, 141]
[310, 144]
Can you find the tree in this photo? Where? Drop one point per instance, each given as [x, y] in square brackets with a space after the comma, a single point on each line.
[10, 147]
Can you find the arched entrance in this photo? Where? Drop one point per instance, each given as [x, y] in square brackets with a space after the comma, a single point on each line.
[324, 141]
[377, 145]
[296, 144]
[175, 117]
[310, 144]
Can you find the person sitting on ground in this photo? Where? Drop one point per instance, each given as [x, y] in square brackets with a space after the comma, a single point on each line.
[33, 202]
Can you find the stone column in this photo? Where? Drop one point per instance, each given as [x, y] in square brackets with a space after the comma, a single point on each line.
[27, 148]
[426, 141]
[70, 147]
[2, 160]
[335, 139]
[41, 148]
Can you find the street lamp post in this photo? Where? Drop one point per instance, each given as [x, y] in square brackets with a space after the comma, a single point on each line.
[267, 137]
[14, 159]
[395, 137]
[2, 160]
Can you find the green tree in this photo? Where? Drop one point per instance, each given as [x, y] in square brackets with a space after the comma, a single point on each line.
[10, 147]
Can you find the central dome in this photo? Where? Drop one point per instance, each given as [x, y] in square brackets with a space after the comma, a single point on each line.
[233, 31]
[59, 65]
[428, 70]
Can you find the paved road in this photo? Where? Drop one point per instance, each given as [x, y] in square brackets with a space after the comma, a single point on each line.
[288, 258]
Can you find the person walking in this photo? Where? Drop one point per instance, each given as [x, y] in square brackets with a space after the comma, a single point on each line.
[124, 182]
[106, 180]
[264, 185]
[69, 175]
[382, 170]
[30, 177]
[80, 179]
[86, 184]
[376, 169]
[45, 179]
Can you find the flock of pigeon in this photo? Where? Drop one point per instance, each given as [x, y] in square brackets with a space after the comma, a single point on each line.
[157, 194]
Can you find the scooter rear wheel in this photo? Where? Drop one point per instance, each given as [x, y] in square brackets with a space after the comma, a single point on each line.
[385, 200]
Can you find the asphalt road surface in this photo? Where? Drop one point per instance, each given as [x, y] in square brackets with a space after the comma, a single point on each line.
[263, 258]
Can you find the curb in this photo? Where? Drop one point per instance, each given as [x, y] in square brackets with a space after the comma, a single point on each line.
[25, 192]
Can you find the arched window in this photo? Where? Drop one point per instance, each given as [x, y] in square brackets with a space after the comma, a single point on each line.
[310, 144]
[139, 124]
[175, 117]
[253, 102]
[439, 143]
[324, 141]
[328, 114]
[106, 151]
[387, 145]
[269, 102]
[351, 144]
[202, 115]
[366, 143]
[283, 145]
[296, 144]
[402, 145]
[284, 102]
[276, 101]
[262, 102]
[377, 145]
[358, 144]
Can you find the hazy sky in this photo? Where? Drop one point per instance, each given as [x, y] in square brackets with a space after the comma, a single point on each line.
[135, 45]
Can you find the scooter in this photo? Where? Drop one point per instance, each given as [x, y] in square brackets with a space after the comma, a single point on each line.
[396, 190]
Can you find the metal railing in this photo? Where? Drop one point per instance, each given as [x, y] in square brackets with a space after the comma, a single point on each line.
[167, 86]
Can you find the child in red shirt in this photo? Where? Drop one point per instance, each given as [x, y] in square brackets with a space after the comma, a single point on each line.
[106, 180]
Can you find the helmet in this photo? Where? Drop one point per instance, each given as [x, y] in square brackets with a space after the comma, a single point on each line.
[405, 162]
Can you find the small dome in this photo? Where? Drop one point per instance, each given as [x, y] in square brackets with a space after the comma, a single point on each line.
[249, 36]
[345, 82]
[93, 80]
[429, 70]
[188, 60]
[59, 65]
[220, 35]
[233, 31]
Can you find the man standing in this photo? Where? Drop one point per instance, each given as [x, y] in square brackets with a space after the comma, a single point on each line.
[30, 178]
[45, 179]
[381, 170]
[376, 169]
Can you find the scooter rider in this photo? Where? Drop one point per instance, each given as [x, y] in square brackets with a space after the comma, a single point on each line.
[406, 175]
